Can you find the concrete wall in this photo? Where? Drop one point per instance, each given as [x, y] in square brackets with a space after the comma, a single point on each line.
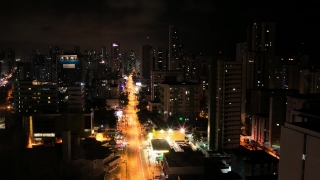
[97, 164]
[291, 154]
[312, 162]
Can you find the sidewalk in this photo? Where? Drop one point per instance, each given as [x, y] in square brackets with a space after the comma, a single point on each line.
[155, 170]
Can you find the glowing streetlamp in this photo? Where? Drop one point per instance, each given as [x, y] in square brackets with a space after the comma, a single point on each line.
[182, 130]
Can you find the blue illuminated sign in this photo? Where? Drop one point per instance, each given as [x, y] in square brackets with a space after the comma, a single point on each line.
[69, 61]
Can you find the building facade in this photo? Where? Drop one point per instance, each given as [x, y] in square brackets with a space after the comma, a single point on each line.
[35, 97]
[179, 99]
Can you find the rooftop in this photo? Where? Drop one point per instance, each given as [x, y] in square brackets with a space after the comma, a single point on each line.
[160, 145]
[185, 159]
[98, 152]
[313, 125]
[311, 112]
[254, 156]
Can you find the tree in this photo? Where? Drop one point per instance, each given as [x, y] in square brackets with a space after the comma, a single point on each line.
[143, 115]
[142, 105]
[102, 117]
[96, 103]
[124, 98]
[196, 135]
[143, 112]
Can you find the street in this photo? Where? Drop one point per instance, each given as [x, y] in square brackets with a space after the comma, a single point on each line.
[133, 165]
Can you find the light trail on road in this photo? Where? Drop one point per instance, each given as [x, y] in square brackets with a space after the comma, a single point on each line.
[134, 167]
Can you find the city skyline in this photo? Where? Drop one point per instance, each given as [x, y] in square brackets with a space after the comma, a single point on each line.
[204, 26]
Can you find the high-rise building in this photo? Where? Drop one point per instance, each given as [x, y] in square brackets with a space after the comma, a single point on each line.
[186, 107]
[54, 51]
[24, 71]
[201, 66]
[145, 61]
[179, 61]
[137, 66]
[300, 144]
[104, 54]
[296, 103]
[173, 46]
[261, 53]
[158, 59]
[158, 77]
[7, 58]
[257, 57]
[40, 71]
[35, 97]
[115, 56]
[309, 81]
[224, 104]
[130, 63]
[77, 50]
[69, 69]
[288, 70]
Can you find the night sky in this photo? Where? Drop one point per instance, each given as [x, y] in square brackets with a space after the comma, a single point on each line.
[205, 26]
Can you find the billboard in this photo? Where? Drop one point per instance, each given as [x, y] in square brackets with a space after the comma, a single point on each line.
[69, 61]
[70, 66]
